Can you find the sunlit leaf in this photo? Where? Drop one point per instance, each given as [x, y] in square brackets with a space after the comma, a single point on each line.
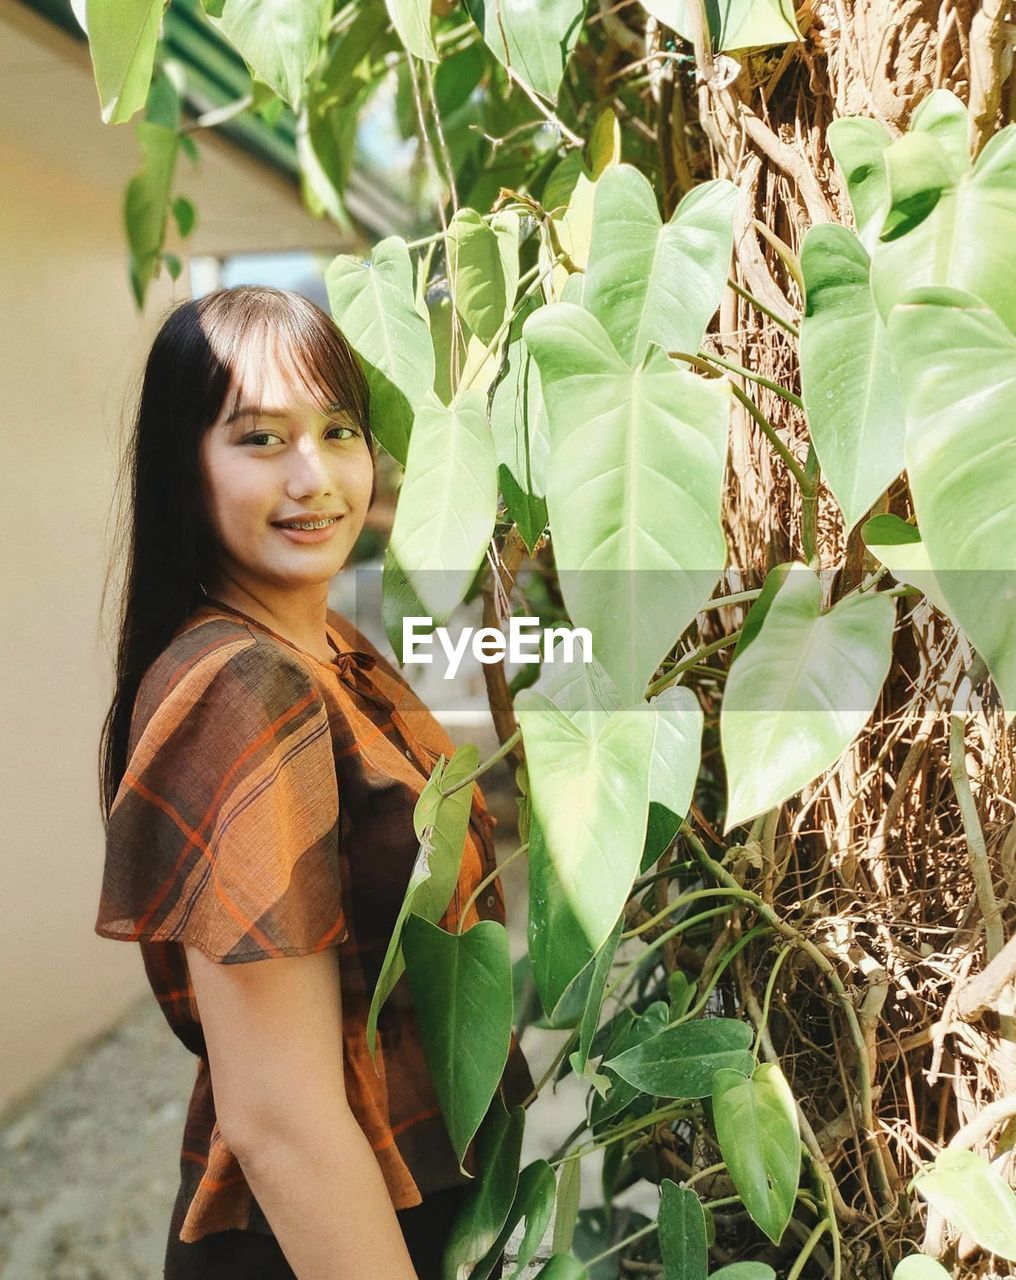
[957, 366]
[122, 36]
[649, 281]
[634, 490]
[801, 692]
[850, 390]
[448, 500]
[974, 1198]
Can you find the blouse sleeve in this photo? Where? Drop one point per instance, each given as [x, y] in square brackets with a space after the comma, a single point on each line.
[224, 832]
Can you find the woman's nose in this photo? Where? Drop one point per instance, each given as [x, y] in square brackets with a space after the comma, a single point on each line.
[308, 470]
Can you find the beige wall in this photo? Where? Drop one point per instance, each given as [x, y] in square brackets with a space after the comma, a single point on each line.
[71, 343]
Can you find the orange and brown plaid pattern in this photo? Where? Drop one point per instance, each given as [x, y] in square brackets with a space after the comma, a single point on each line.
[267, 810]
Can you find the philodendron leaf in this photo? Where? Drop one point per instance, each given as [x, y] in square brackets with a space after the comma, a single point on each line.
[682, 1231]
[441, 823]
[276, 38]
[122, 35]
[973, 1197]
[858, 145]
[920, 1267]
[534, 41]
[957, 366]
[146, 202]
[479, 1221]
[633, 490]
[448, 500]
[590, 793]
[629, 1034]
[650, 282]
[746, 1271]
[944, 116]
[678, 748]
[562, 1266]
[534, 1201]
[483, 264]
[964, 240]
[801, 692]
[373, 304]
[733, 24]
[411, 19]
[594, 998]
[757, 1129]
[898, 546]
[518, 422]
[461, 986]
[850, 390]
[680, 1061]
[558, 947]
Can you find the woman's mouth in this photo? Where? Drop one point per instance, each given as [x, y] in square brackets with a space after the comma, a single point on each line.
[308, 530]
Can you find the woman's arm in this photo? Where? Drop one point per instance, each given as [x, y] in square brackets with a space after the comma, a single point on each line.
[273, 1029]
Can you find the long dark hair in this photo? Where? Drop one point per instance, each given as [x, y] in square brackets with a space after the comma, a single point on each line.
[165, 543]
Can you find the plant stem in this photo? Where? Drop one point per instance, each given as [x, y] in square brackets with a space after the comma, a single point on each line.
[558, 1059]
[792, 329]
[498, 870]
[826, 967]
[671, 676]
[481, 769]
[977, 849]
[739, 369]
[637, 1235]
[768, 998]
[809, 1245]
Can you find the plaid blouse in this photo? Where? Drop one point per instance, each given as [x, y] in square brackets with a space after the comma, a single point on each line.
[267, 810]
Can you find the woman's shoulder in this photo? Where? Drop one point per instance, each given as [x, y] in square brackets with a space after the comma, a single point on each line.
[216, 658]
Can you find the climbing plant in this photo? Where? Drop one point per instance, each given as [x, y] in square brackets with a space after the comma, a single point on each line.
[711, 352]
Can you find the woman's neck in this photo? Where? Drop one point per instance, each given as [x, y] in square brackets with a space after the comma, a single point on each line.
[298, 616]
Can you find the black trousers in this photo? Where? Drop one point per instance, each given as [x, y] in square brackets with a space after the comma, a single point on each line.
[249, 1255]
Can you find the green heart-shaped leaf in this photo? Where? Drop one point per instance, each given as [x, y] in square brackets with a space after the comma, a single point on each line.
[957, 366]
[122, 36]
[634, 490]
[920, 1267]
[373, 304]
[858, 145]
[534, 40]
[681, 1060]
[411, 19]
[461, 986]
[756, 1126]
[973, 1197]
[590, 792]
[964, 240]
[276, 38]
[448, 501]
[851, 393]
[801, 692]
[733, 24]
[649, 282]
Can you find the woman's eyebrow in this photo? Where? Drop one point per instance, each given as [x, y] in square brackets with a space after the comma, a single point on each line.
[249, 412]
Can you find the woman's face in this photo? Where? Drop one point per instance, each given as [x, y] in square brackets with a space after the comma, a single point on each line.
[290, 462]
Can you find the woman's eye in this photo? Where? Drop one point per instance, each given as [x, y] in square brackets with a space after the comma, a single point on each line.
[343, 427]
[260, 436]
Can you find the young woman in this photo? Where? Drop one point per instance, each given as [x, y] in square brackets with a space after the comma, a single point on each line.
[260, 764]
